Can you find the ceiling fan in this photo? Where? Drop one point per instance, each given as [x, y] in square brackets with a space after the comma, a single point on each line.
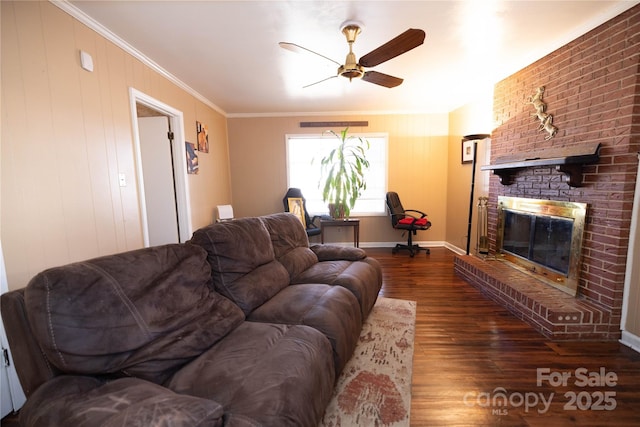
[353, 69]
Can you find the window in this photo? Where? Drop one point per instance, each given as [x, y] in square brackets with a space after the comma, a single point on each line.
[304, 153]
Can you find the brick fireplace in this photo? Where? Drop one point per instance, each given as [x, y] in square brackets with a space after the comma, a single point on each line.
[592, 89]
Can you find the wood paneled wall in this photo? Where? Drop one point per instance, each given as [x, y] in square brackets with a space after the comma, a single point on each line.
[67, 135]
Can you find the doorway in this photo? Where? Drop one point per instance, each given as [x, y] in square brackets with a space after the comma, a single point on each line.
[156, 147]
[161, 170]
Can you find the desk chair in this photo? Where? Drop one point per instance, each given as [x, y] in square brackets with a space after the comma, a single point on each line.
[409, 220]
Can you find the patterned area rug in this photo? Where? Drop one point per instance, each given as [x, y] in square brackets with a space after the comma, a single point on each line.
[374, 388]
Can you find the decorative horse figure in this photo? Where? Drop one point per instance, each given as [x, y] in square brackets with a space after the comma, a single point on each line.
[537, 102]
[547, 125]
[546, 119]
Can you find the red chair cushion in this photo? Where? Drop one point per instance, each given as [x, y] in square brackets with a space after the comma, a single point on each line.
[420, 222]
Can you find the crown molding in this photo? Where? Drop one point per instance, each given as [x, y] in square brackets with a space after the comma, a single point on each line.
[115, 39]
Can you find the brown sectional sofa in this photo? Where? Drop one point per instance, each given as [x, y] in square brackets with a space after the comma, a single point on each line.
[244, 325]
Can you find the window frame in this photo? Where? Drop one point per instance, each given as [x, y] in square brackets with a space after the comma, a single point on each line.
[383, 136]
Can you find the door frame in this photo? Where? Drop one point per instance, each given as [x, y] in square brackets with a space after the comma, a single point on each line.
[178, 152]
[630, 295]
[12, 396]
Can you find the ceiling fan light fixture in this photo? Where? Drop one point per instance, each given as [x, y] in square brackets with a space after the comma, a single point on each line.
[351, 69]
[354, 72]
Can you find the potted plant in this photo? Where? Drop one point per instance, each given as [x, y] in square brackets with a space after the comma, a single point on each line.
[342, 173]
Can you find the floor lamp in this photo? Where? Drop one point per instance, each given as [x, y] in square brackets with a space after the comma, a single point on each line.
[475, 138]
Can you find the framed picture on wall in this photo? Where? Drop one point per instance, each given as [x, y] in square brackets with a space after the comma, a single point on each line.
[203, 137]
[467, 151]
[192, 158]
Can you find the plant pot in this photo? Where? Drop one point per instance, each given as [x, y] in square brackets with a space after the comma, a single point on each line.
[336, 210]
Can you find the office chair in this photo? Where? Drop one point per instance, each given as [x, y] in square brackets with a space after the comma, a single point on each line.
[295, 203]
[409, 220]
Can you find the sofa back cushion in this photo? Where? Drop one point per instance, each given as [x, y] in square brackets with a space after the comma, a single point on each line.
[290, 242]
[142, 313]
[243, 266]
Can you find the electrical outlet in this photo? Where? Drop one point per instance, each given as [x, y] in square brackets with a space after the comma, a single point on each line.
[123, 180]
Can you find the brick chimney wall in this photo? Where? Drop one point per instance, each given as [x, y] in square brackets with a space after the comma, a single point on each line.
[592, 89]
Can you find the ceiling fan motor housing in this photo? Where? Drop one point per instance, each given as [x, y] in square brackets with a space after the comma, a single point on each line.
[351, 69]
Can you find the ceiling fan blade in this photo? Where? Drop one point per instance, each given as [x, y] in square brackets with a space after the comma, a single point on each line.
[297, 49]
[381, 79]
[319, 81]
[403, 43]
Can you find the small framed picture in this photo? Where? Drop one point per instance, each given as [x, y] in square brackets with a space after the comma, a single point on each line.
[192, 158]
[467, 151]
[203, 137]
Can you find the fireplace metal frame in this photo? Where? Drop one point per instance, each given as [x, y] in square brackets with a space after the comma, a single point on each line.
[549, 208]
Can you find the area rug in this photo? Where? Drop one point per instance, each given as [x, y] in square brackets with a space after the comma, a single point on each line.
[374, 388]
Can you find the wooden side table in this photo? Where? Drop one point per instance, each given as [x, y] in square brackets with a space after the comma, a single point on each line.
[347, 222]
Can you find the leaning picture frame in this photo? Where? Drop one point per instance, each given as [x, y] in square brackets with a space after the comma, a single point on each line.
[467, 151]
[296, 207]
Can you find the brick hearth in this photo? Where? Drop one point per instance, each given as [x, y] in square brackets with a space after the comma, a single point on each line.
[592, 89]
[556, 314]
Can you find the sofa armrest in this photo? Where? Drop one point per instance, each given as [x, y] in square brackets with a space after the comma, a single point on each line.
[31, 364]
[69, 400]
[338, 253]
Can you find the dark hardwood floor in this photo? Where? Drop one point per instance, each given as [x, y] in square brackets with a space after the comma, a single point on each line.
[471, 355]
[470, 351]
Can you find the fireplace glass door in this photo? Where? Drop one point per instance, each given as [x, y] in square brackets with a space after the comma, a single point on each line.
[544, 240]
[544, 237]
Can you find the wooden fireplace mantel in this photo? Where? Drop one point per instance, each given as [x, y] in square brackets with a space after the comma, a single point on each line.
[568, 160]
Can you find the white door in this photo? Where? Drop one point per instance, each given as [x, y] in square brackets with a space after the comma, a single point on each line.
[158, 180]
[11, 392]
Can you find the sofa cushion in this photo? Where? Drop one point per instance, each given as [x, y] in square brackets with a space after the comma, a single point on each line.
[87, 402]
[243, 266]
[363, 278]
[278, 375]
[332, 310]
[140, 313]
[337, 253]
[290, 242]
[32, 366]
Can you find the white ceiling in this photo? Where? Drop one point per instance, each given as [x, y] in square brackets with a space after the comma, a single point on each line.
[228, 52]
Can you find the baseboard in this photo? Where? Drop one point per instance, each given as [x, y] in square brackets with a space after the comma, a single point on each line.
[630, 340]
[454, 248]
[364, 245]
[430, 244]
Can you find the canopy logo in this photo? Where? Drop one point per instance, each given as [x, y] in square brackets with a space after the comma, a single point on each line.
[500, 401]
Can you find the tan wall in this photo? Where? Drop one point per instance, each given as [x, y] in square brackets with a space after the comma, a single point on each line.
[473, 118]
[417, 167]
[67, 134]
[458, 184]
